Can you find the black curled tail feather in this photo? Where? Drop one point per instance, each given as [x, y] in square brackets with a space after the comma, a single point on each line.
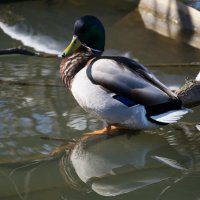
[172, 104]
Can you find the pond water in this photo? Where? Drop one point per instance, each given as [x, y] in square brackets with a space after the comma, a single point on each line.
[35, 106]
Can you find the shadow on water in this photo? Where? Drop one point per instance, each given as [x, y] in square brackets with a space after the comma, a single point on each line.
[162, 161]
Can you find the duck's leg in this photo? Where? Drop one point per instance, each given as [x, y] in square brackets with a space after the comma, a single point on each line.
[103, 131]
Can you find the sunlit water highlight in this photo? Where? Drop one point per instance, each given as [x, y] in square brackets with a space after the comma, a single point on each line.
[31, 38]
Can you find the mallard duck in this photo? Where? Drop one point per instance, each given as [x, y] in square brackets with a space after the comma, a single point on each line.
[116, 89]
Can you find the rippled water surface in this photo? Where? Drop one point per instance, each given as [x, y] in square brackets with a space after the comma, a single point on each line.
[43, 153]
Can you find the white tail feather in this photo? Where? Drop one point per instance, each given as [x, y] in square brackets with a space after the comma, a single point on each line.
[171, 116]
[198, 127]
[170, 162]
[198, 77]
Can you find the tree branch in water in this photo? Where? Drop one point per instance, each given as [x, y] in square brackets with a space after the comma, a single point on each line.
[190, 93]
[22, 51]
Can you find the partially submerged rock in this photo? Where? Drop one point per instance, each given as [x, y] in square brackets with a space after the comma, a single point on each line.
[173, 19]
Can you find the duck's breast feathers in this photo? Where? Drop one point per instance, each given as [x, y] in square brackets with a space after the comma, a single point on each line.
[130, 79]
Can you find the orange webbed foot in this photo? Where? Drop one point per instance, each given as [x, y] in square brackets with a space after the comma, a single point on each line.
[109, 129]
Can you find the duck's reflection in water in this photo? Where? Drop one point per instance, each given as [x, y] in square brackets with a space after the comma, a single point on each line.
[118, 164]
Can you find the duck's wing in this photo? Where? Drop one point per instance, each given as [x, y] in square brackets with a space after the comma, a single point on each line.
[130, 79]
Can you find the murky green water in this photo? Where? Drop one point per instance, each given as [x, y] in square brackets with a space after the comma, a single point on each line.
[161, 164]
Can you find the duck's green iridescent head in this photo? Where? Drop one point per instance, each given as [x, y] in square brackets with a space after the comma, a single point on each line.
[89, 32]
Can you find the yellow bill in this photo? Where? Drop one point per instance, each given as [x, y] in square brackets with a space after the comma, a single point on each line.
[72, 47]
